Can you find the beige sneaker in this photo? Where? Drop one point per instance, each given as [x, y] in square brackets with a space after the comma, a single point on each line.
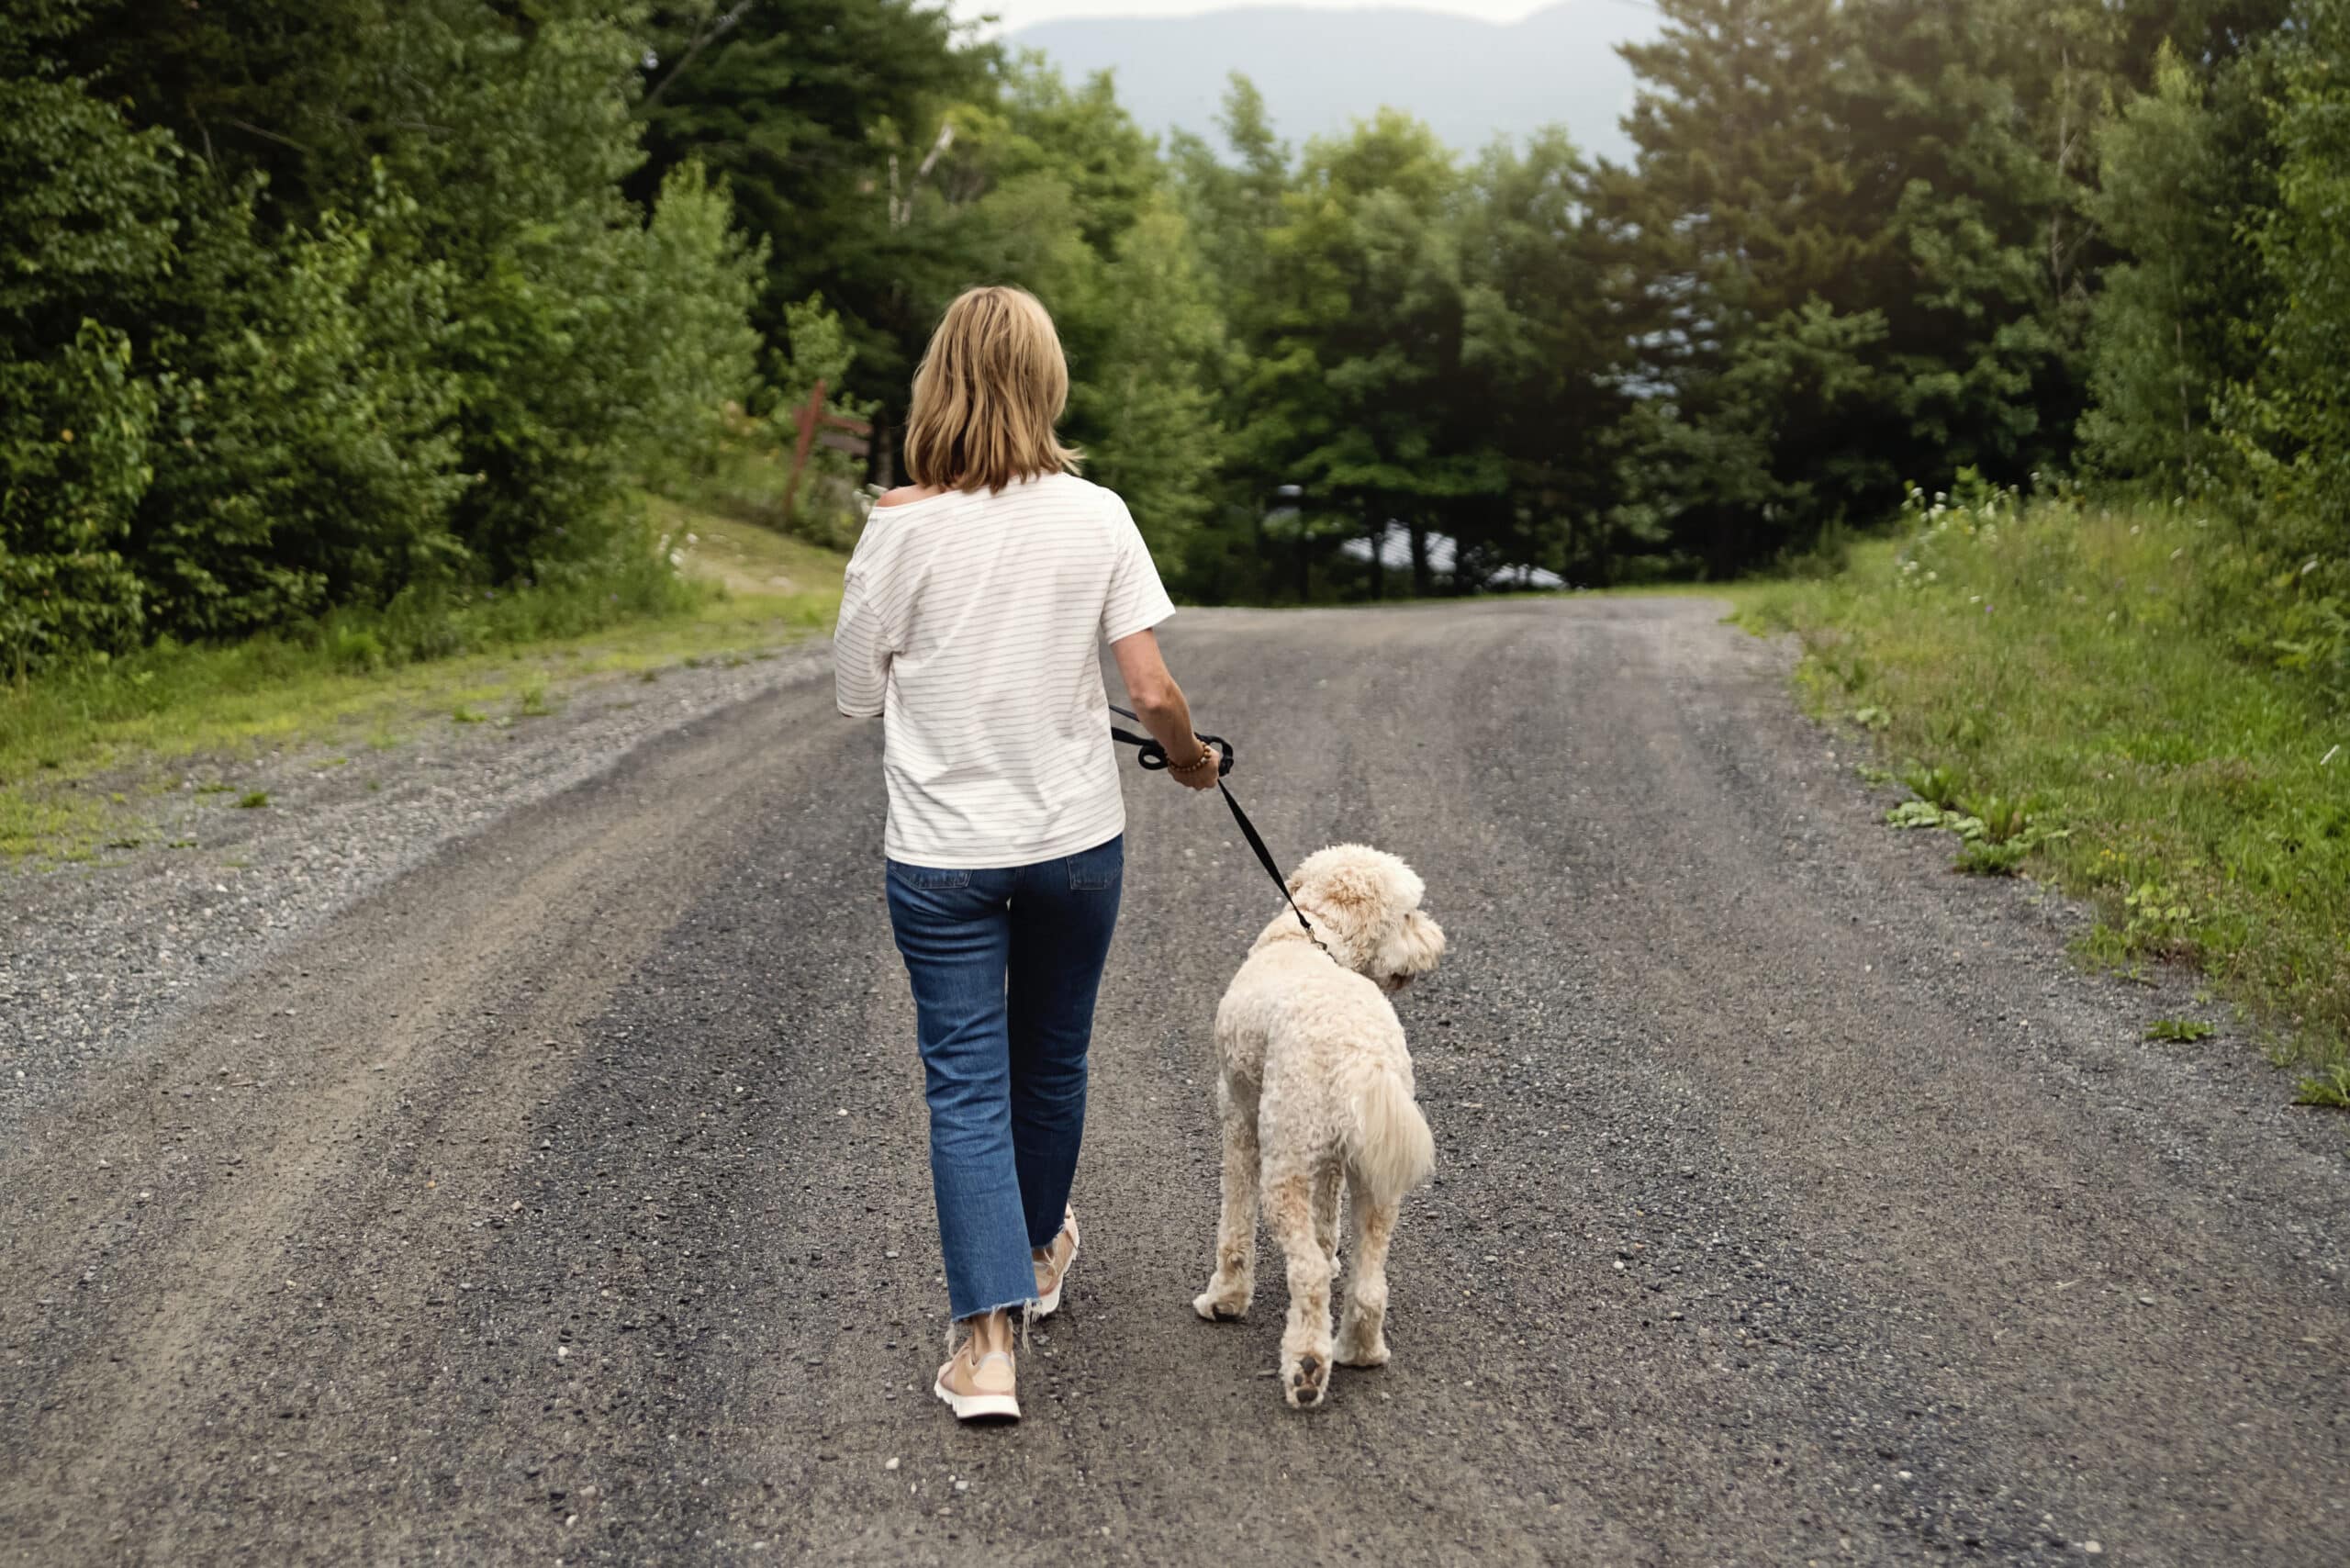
[980, 1384]
[1052, 1265]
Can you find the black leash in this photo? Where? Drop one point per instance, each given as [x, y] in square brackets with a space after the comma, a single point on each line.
[1153, 757]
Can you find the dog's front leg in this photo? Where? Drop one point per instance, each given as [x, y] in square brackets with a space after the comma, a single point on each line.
[1305, 1341]
[1233, 1283]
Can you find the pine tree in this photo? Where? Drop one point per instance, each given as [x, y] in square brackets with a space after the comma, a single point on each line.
[1541, 362]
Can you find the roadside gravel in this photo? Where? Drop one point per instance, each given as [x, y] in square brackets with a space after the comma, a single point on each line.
[93, 954]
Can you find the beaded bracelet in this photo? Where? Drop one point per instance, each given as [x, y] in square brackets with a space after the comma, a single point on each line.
[1208, 757]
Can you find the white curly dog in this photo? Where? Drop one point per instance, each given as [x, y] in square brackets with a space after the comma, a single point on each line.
[1314, 1087]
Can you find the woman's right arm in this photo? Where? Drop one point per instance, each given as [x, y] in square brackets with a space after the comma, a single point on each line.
[1158, 703]
[860, 656]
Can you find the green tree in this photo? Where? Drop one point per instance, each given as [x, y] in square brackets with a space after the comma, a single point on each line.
[2187, 172]
[1763, 410]
[1148, 407]
[2296, 415]
[1542, 364]
[827, 120]
[1862, 256]
[337, 300]
[88, 236]
[1230, 209]
[1365, 277]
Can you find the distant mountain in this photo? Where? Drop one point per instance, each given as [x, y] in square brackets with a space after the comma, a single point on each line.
[1322, 70]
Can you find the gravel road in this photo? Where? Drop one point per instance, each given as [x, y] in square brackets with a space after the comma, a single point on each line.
[558, 1195]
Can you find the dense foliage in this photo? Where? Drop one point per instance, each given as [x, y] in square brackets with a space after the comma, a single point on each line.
[306, 306]
[1862, 246]
[316, 306]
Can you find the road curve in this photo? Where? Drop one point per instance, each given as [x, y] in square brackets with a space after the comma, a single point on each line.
[564, 1200]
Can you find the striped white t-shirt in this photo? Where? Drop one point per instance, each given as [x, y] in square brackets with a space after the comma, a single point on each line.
[973, 624]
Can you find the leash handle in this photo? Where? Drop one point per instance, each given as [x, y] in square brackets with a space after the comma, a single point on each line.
[1153, 756]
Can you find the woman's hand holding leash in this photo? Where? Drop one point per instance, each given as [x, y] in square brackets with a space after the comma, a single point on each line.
[1201, 772]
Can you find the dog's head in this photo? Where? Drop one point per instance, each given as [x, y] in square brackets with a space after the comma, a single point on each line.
[1365, 905]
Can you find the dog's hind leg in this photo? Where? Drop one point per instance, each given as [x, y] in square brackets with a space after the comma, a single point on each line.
[1233, 1283]
[1305, 1341]
[1327, 1187]
[1362, 1339]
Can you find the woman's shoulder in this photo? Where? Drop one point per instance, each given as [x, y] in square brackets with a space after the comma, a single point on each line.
[1099, 499]
[1059, 489]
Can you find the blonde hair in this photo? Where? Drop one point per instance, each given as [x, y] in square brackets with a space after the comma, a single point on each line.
[986, 394]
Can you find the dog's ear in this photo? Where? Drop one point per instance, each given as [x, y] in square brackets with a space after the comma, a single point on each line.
[1344, 886]
[1412, 948]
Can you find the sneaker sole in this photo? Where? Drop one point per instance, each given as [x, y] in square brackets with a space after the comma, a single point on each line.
[978, 1406]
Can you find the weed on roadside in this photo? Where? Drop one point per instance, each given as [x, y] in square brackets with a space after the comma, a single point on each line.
[2329, 1087]
[1996, 834]
[2158, 920]
[2180, 1031]
[1936, 786]
[252, 800]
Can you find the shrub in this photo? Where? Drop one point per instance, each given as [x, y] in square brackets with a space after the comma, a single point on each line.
[86, 237]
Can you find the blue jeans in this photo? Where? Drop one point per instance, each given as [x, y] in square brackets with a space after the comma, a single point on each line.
[1006, 965]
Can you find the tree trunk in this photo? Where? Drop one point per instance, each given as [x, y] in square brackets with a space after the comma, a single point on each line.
[1424, 581]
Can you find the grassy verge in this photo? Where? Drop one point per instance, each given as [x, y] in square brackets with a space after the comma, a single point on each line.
[2059, 685]
[79, 748]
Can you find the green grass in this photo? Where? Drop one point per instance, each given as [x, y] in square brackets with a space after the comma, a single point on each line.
[2076, 673]
[143, 720]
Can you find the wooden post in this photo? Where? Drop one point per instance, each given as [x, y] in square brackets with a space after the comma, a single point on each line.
[806, 419]
[816, 425]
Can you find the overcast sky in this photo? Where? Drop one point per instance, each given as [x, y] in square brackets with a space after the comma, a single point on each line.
[1020, 13]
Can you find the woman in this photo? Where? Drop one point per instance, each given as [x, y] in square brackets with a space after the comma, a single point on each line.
[971, 623]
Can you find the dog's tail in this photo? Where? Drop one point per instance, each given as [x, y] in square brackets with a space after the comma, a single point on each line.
[1390, 1151]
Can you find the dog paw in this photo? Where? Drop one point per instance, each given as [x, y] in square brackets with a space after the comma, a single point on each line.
[1304, 1384]
[1220, 1306]
[1361, 1343]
